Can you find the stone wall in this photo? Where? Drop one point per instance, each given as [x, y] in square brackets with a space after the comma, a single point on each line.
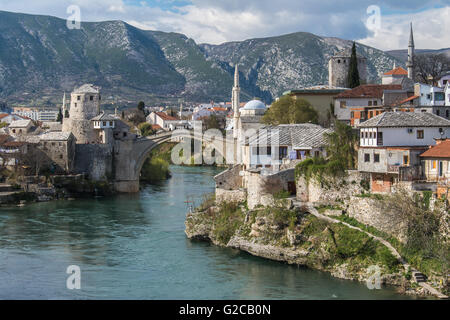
[370, 212]
[341, 189]
[223, 195]
[257, 186]
[229, 179]
[96, 160]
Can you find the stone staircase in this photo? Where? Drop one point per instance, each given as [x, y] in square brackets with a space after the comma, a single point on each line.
[419, 276]
[5, 187]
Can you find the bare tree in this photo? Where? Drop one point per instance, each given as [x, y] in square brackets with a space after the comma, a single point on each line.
[429, 67]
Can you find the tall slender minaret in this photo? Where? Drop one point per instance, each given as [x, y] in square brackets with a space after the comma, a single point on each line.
[410, 63]
[64, 103]
[235, 102]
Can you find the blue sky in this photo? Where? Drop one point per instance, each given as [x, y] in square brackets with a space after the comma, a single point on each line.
[217, 21]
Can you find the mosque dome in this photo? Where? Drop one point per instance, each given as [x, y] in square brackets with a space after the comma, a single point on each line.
[254, 105]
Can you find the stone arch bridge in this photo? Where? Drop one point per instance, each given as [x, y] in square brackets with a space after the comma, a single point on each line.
[129, 156]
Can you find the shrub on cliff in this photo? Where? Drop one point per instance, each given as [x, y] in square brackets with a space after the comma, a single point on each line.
[227, 220]
[155, 169]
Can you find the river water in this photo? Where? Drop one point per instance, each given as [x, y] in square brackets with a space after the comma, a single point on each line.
[134, 247]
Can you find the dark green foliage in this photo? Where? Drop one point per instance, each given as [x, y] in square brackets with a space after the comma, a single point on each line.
[60, 116]
[288, 110]
[141, 106]
[211, 122]
[341, 145]
[155, 169]
[353, 74]
[146, 129]
[227, 221]
[66, 114]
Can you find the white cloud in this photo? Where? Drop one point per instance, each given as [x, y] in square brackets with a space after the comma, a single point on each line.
[215, 21]
[430, 30]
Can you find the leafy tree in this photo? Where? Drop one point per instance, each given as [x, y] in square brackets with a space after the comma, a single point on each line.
[288, 110]
[146, 129]
[353, 74]
[211, 122]
[341, 145]
[141, 106]
[66, 114]
[60, 116]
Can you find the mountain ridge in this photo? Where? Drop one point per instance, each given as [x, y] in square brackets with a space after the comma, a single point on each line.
[40, 58]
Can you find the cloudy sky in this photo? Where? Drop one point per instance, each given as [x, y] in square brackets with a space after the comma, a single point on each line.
[217, 21]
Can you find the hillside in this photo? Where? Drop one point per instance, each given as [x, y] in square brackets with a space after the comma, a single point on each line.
[40, 58]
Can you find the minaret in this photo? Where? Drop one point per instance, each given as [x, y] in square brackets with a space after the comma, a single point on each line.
[410, 63]
[64, 105]
[235, 102]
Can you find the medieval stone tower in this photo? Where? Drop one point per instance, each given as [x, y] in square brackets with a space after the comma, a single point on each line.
[84, 105]
[338, 66]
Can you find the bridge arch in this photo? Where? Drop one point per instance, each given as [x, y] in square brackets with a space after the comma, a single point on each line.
[131, 163]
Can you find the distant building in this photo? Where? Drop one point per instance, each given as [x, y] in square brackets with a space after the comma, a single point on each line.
[394, 76]
[37, 114]
[8, 118]
[321, 97]
[361, 102]
[164, 120]
[20, 127]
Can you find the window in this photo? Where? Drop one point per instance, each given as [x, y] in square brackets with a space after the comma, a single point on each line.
[438, 113]
[78, 98]
[14, 130]
[429, 96]
[420, 134]
[282, 153]
[104, 123]
[375, 102]
[352, 114]
[376, 157]
[447, 113]
[75, 104]
[61, 156]
[406, 160]
[370, 103]
[380, 139]
[433, 164]
[366, 157]
[339, 60]
[316, 154]
[111, 123]
[343, 104]
[91, 98]
[269, 151]
[439, 96]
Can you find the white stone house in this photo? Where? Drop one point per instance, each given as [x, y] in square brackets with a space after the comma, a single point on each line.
[163, 120]
[390, 145]
[104, 125]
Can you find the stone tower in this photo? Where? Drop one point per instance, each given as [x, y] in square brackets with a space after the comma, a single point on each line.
[235, 102]
[410, 62]
[84, 105]
[338, 66]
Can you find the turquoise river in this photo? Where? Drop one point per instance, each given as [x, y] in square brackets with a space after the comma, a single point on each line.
[134, 247]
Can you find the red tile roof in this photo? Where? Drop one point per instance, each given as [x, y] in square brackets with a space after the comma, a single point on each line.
[369, 91]
[441, 150]
[165, 116]
[156, 127]
[406, 100]
[399, 71]
[3, 115]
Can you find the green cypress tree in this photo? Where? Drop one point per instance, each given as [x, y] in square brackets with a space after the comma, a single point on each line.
[60, 116]
[353, 74]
